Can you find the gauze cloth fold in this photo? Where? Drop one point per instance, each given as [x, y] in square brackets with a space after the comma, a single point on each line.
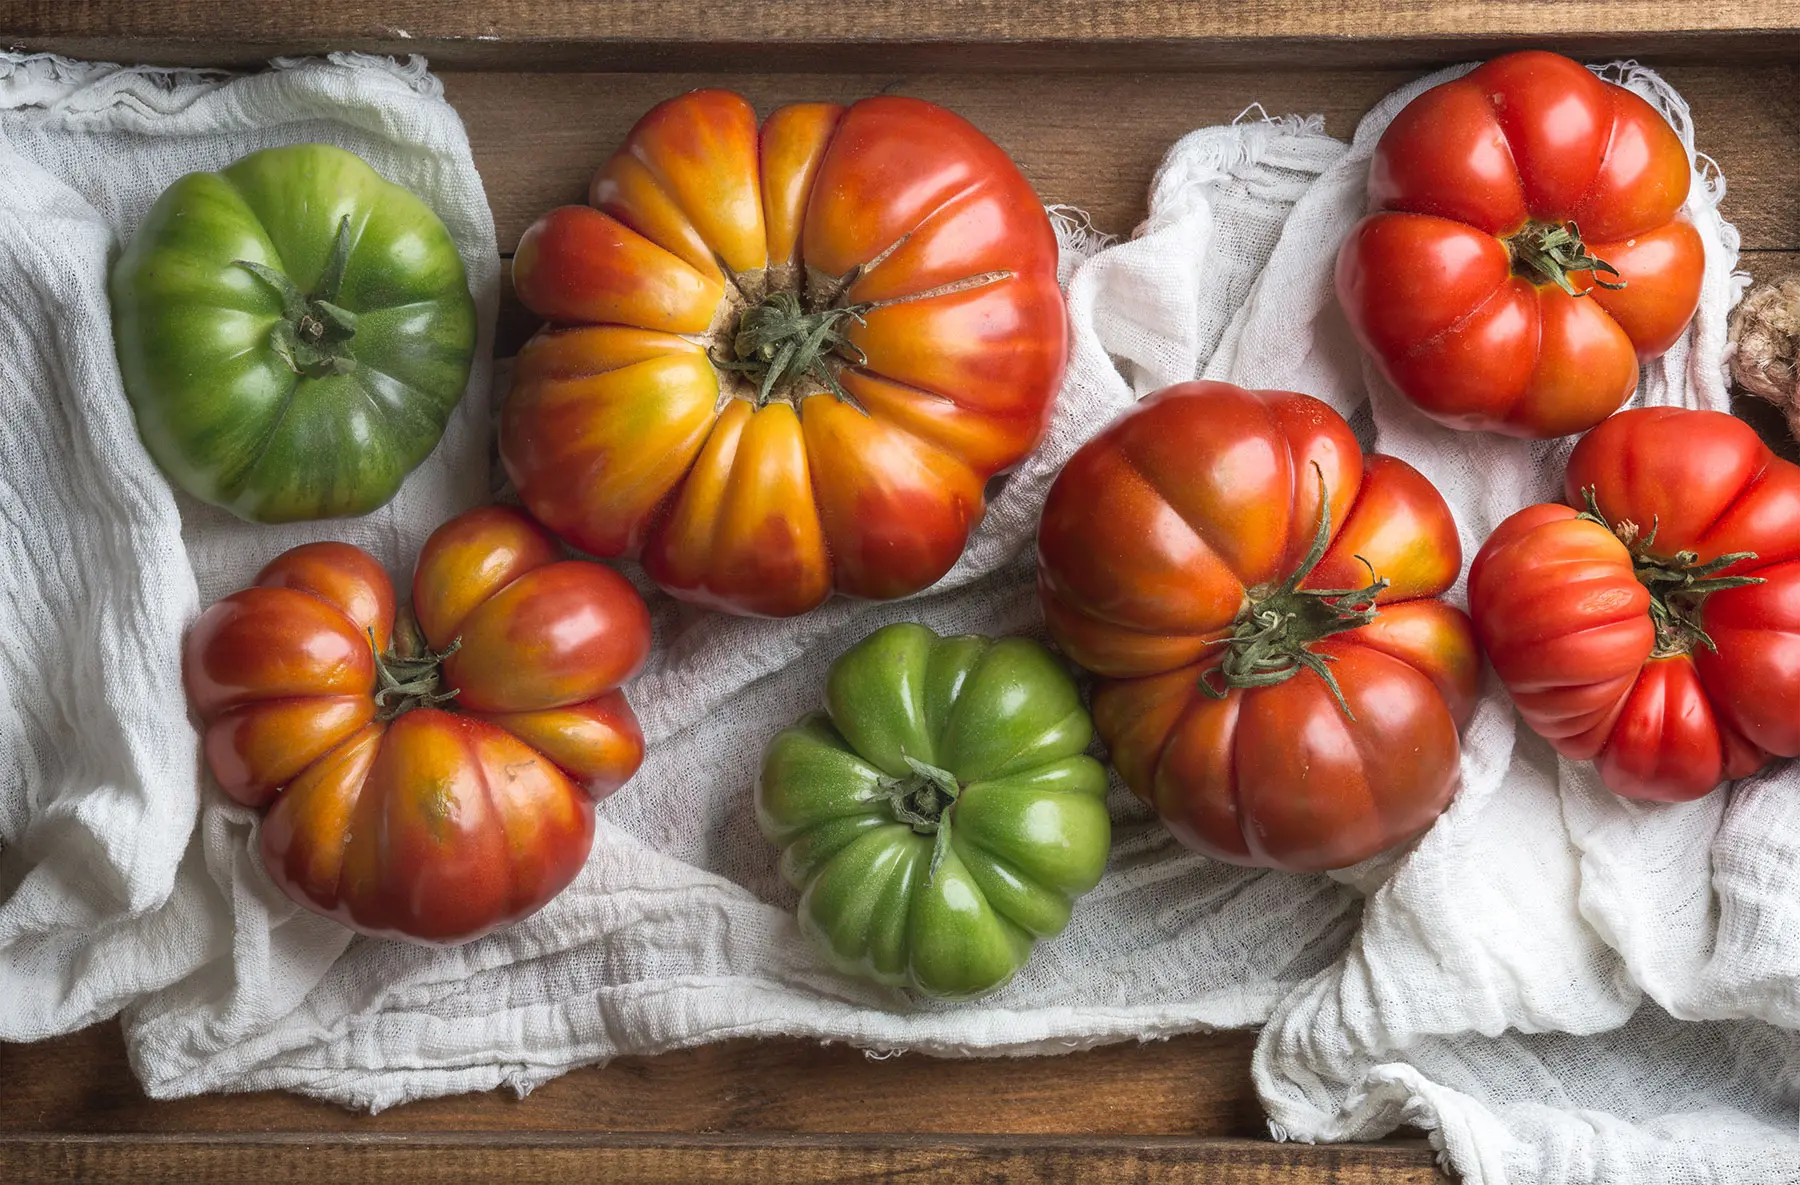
[102, 563]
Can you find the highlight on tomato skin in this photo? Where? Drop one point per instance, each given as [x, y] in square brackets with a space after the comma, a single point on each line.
[1650, 623]
[428, 774]
[1277, 674]
[784, 360]
[1525, 250]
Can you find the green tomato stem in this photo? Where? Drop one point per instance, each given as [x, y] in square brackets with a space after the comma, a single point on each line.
[1678, 584]
[410, 675]
[1551, 251]
[313, 337]
[779, 345]
[1271, 639]
[923, 798]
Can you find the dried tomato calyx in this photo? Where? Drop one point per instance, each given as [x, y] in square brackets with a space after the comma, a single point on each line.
[313, 335]
[411, 674]
[923, 800]
[1678, 584]
[1551, 252]
[778, 345]
[1271, 639]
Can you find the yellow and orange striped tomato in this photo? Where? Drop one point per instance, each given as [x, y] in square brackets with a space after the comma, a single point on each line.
[436, 787]
[785, 360]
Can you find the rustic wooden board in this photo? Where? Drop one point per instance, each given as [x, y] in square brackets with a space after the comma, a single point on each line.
[1089, 132]
[1163, 1111]
[1091, 140]
[532, 1159]
[847, 34]
[1194, 1085]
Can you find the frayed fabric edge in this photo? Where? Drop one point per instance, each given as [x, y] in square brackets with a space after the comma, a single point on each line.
[45, 81]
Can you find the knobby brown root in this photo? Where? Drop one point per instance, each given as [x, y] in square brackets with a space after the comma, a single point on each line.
[1764, 350]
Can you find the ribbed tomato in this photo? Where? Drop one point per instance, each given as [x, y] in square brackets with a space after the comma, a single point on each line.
[785, 360]
[433, 787]
[1278, 677]
[1527, 252]
[1652, 624]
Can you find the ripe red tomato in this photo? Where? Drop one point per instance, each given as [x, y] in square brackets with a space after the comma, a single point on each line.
[436, 787]
[785, 361]
[1656, 629]
[1278, 677]
[1527, 250]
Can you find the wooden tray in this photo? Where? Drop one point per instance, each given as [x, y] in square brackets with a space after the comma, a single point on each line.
[1086, 97]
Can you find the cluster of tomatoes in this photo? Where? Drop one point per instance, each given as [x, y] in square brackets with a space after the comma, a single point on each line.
[784, 361]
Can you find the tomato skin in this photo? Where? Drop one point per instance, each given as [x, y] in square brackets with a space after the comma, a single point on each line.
[1164, 528]
[628, 437]
[456, 815]
[1567, 623]
[949, 906]
[1428, 279]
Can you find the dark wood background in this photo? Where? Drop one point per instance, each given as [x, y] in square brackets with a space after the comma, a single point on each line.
[1086, 96]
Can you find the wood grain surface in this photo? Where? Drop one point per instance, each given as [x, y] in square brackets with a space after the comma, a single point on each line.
[846, 34]
[1183, 1109]
[1176, 1110]
[533, 1159]
[1195, 1085]
[1091, 141]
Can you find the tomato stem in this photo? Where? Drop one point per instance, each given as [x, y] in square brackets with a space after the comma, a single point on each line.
[313, 336]
[1552, 251]
[1678, 584]
[778, 345]
[1271, 639]
[923, 800]
[410, 675]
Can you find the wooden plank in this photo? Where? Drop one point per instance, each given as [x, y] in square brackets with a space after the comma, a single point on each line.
[532, 1159]
[1194, 1085]
[1092, 141]
[845, 34]
[1163, 1111]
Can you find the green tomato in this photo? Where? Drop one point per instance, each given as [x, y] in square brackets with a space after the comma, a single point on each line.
[941, 815]
[293, 333]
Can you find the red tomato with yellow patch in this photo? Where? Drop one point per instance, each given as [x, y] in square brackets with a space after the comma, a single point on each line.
[785, 360]
[1527, 250]
[436, 778]
[1278, 677]
[1652, 624]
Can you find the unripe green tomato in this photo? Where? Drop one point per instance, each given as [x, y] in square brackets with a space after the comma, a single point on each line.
[293, 332]
[941, 815]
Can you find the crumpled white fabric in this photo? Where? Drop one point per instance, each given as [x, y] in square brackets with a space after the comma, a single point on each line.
[1557, 984]
[102, 563]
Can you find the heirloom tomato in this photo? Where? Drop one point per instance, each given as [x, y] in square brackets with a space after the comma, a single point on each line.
[1527, 250]
[940, 815]
[785, 360]
[431, 776]
[293, 333]
[1278, 677]
[1652, 624]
